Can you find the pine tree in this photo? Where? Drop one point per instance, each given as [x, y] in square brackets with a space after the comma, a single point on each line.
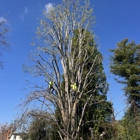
[125, 64]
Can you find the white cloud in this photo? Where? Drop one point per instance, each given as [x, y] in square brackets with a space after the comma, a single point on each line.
[2, 19]
[22, 15]
[26, 10]
[48, 7]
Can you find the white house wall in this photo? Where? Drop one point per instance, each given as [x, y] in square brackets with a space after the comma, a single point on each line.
[13, 137]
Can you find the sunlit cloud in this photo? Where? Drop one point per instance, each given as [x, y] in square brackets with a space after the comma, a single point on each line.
[22, 15]
[48, 7]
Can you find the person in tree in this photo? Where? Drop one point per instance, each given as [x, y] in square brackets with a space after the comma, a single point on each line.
[74, 87]
[51, 86]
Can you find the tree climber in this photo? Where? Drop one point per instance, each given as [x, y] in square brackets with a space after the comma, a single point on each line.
[74, 87]
[51, 86]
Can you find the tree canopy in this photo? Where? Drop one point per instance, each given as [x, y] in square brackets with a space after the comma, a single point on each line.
[125, 63]
[68, 54]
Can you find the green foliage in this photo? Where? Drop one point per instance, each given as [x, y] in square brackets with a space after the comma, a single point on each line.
[98, 113]
[99, 110]
[37, 129]
[42, 129]
[125, 63]
[126, 129]
[24, 136]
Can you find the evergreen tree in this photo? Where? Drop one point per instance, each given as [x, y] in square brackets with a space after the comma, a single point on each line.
[37, 129]
[99, 111]
[125, 64]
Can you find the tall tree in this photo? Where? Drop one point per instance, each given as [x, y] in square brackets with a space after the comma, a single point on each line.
[97, 113]
[59, 58]
[125, 64]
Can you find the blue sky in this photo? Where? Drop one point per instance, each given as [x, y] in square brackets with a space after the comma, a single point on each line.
[116, 20]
